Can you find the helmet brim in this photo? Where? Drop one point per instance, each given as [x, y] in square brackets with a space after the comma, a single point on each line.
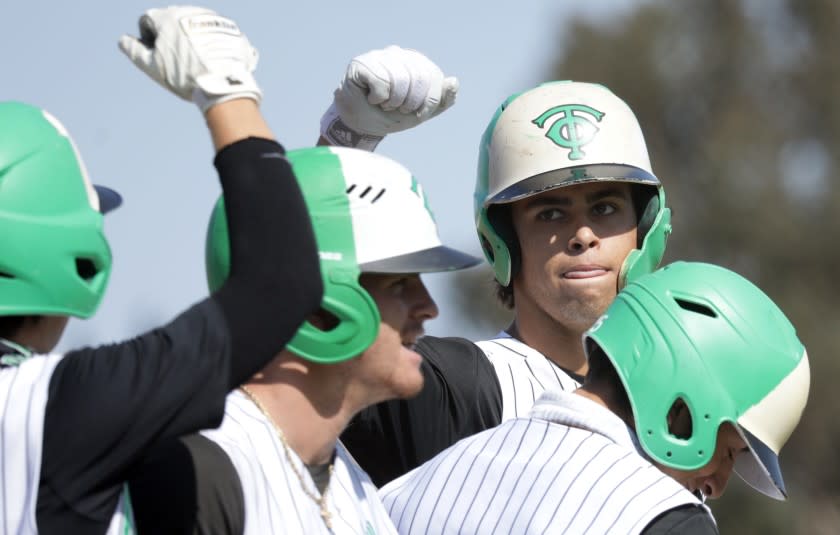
[759, 467]
[433, 260]
[108, 199]
[572, 176]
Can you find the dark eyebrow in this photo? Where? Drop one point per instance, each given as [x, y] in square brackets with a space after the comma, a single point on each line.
[563, 200]
[547, 200]
[620, 193]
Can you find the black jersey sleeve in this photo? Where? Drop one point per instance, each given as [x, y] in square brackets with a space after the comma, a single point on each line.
[187, 486]
[460, 397]
[107, 405]
[683, 520]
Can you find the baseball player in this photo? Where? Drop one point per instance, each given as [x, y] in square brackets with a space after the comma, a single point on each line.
[693, 373]
[275, 464]
[567, 209]
[73, 425]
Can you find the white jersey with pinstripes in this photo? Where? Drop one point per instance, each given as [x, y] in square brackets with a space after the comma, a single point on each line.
[273, 496]
[571, 467]
[523, 372]
[24, 391]
[23, 400]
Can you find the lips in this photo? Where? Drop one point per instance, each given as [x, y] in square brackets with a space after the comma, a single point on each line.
[410, 336]
[585, 272]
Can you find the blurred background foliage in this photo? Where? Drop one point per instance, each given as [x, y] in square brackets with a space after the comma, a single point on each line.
[740, 105]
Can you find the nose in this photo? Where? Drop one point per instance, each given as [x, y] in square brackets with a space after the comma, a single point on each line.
[584, 238]
[714, 484]
[425, 307]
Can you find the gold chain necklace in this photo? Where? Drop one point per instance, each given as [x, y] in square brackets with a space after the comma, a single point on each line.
[321, 500]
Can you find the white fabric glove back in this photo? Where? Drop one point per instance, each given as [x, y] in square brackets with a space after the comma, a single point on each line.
[195, 53]
[386, 91]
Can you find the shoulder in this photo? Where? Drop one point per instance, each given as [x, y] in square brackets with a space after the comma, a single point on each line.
[433, 347]
[457, 362]
[685, 519]
[187, 485]
[243, 429]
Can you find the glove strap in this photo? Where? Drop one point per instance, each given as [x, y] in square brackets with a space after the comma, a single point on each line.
[334, 130]
[212, 89]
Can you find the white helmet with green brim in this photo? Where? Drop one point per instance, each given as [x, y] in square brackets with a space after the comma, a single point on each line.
[704, 335]
[561, 134]
[370, 215]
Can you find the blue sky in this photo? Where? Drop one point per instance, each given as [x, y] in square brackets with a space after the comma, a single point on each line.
[153, 148]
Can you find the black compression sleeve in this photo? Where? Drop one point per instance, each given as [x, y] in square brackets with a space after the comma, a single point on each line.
[188, 486]
[275, 277]
[683, 520]
[461, 396]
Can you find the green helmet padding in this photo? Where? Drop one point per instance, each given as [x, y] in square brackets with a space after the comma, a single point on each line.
[654, 227]
[55, 259]
[700, 333]
[320, 177]
[495, 247]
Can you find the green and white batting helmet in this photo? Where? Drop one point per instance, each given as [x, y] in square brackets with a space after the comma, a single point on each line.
[55, 259]
[561, 134]
[707, 336]
[370, 215]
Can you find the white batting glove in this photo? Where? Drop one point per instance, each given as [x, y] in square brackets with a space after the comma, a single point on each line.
[196, 54]
[385, 91]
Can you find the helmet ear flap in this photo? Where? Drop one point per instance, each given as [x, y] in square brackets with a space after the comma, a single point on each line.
[356, 328]
[653, 229]
[355, 310]
[499, 242]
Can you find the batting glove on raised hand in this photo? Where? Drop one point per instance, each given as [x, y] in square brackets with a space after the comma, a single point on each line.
[386, 91]
[195, 53]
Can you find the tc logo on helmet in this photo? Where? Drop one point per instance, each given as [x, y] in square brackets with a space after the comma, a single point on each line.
[571, 130]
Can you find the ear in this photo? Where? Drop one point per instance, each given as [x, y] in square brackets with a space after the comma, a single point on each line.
[679, 420]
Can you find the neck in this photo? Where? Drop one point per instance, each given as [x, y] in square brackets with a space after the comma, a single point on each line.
[603, 394]
[559, 343]
[307, 402]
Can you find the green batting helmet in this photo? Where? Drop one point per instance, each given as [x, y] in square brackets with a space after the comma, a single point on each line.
[55, 259]
[369, 215]
[705, 335]
[561, 134]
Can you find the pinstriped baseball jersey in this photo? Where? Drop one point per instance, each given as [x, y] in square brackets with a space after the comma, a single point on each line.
[571, 467]
[23, 398]
[274, 498]
[24, 391]
[523, 372]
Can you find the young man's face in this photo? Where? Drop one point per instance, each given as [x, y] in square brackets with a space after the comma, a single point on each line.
[573, 241]
[711, 480]
[389, 367]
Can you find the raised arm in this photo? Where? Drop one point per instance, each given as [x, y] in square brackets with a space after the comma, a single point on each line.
[108, 405]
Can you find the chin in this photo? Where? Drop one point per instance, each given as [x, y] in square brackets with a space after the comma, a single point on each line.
[408, 384]
[409, 390]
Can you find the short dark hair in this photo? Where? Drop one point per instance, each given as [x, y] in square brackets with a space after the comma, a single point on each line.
[9, 325]
[505, 294]
[601, 370]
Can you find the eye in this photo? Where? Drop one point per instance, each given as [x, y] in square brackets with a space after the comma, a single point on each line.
[551, 214]
[604, 208]
[399, 284]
